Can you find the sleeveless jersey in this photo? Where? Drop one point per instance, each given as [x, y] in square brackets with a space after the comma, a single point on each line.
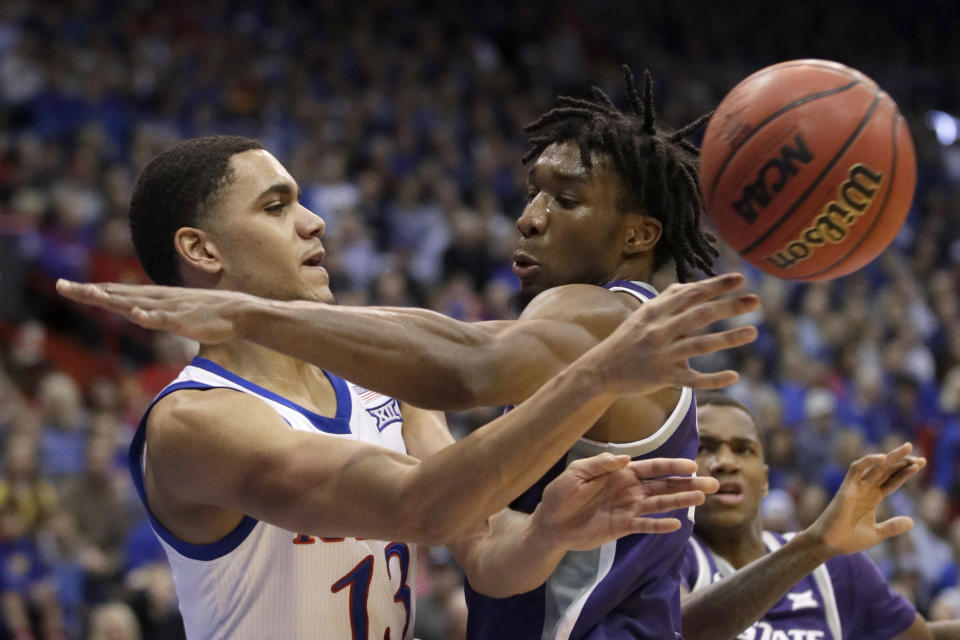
[844, 598]
[628, 588]
[261, 581]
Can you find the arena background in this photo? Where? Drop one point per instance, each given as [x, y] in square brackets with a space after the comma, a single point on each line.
[402, 122]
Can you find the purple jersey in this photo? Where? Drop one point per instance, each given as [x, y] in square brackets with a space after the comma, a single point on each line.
[628, 588]
[845, 598]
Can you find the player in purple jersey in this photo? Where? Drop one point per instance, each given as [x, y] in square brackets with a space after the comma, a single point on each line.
[612, 198]
[814, 585]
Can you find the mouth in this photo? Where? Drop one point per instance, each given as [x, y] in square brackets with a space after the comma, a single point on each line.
[314, 259]
[524, 266]
[729, 493]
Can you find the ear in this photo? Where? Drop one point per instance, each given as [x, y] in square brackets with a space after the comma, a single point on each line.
[640, 233]
[766, 481]
[198, 250]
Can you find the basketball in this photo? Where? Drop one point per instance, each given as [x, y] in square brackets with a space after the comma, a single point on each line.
[807, 169]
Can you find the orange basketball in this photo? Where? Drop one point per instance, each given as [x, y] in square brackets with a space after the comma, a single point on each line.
[807, 169]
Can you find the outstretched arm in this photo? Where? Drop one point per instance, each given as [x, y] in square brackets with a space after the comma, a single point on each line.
[416, 355]
[726, 608]
[337, 487]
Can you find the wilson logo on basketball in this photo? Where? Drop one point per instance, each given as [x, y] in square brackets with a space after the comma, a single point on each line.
[772, 178]
[854, 196]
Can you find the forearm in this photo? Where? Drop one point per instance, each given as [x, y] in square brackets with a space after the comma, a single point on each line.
[725, 608]
[484, 472]
[511, 556]
[416, 355]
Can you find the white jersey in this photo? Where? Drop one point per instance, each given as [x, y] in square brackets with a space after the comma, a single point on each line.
[261, 581]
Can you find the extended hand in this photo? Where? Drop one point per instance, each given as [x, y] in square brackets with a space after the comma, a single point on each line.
[849, 523]
[649, 351]
[605, 497]
[205, 315]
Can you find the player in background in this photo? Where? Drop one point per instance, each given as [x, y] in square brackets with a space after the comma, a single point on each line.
[286, 497]
[814, 585]
[612, 197]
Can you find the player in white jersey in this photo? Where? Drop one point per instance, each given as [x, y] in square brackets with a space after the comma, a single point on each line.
[236, 493]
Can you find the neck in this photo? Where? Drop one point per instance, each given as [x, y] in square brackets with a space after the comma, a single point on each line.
[737, 545]
[633, 269]
[275, 371]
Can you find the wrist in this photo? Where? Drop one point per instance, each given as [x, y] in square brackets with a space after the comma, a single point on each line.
[591, 377]
[244, 312]
[252, 312]
[812, 544]
[541, 535]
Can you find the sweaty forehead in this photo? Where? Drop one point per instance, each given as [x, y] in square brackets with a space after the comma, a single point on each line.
[255, 171]
[562, 159]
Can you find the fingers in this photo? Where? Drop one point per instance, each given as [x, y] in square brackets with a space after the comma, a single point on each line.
[894, 527]
[891, 460]
[712, 342]
[78, 292]
[861, 465]
[704, 314]
[659, 467]
[907, 470]
[598, 465]
[96, 295]
[669, 502]
[715, 380]
[664, 486]
[150, 319]
[682, 296]
[651, 525]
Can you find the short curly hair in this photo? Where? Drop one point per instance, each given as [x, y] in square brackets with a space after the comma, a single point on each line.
[177, 189]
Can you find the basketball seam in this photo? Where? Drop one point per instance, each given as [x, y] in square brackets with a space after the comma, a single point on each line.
[813, 185]
[883, 207]
[776, 114]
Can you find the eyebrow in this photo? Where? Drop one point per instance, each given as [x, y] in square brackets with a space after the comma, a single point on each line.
[283, 188]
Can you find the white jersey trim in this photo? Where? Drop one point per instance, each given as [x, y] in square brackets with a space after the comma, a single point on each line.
[703, 566]
[586, 447]
[821, 576]
[569, 618]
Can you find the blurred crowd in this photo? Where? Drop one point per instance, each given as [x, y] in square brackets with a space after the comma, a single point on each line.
[402, 122]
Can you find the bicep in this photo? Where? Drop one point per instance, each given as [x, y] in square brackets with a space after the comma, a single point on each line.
[240, 455]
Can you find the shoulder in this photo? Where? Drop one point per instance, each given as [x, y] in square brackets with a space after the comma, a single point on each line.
[584, 304]
[186, 417]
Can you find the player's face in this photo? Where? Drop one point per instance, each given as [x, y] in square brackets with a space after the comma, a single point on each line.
[570, 228]
[269, 243]
[730, 451]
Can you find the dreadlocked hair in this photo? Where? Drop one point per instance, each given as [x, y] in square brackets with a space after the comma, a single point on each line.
[658, 167]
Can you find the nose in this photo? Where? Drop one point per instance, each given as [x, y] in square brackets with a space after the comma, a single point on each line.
[533, 220]
[309, 224]
[724, 461]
